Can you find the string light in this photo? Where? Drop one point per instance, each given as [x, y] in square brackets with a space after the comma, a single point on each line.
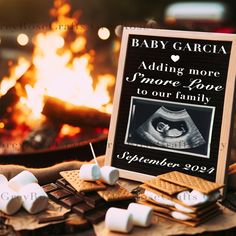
[104, 33]
[22, 39]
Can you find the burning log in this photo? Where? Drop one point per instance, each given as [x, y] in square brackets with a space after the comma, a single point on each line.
[10, 99]
[42, 137]
[64, 112]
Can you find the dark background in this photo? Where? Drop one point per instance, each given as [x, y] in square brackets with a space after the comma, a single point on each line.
[110, 13]
[25, 15]
[18, 15]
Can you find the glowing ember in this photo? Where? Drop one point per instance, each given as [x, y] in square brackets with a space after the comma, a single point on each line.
[68, 130]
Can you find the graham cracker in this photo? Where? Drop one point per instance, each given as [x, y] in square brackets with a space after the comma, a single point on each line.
[165, 213]
[172, 198]
[154, 207]
[165, 186]
[192, 182]
[116, 193]
[195, 214]
[72, 177]
[188, 222]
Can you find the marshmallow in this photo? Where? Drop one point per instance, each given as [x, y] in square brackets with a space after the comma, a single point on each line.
[119, 220]
[193, 198]
[10, 201]
[142, 215]
[198, 197]
[3, 179]
[182, 208]
[34, 198]
[158, 199]
[22, 179]
[184, 196]
[109, 175]
[180, 216]
[90, 172]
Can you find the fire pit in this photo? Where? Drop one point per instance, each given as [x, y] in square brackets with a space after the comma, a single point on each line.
[54, 104]
[49, 157]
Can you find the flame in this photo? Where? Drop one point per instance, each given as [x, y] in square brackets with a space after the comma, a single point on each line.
[63, 68]
[15, 73]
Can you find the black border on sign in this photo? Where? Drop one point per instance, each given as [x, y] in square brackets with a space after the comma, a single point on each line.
[223, 153]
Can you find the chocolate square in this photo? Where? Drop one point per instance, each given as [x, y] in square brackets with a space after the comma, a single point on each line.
[59, 194]
[71, 201]
[49, 187]
[82, 208]
[93, 199]
[70, 188]
[61, 182]
[97, 216]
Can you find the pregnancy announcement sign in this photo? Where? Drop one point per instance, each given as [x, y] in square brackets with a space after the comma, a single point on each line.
[173, 104]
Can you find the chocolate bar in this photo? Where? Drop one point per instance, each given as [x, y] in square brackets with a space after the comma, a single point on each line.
[51, 217]
[88, 205]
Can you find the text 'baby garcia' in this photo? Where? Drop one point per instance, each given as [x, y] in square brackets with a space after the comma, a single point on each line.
[178, 46]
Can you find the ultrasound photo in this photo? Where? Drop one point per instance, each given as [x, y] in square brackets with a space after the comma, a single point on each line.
[170, 126]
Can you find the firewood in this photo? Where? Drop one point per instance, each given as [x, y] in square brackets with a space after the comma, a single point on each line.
[10, 99]
[64, 112]
[41, 137]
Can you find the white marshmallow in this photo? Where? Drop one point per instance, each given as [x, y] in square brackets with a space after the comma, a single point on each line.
[184, 196]
[142, 215]
[119, 220]
[109, 175]
[22, 179]
[182, 208]
[198, 197]
[193, 198]
[10, 201]
[90, 172]
[3, 179]
[158, 199]
[34, 198]
[180, 216]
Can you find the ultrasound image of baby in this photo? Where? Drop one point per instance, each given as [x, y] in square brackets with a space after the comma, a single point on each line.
[171, 129]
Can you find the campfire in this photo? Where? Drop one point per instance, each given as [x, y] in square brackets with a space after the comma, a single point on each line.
[55, 98]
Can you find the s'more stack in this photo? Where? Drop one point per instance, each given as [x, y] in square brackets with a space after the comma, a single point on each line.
[182, 198]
